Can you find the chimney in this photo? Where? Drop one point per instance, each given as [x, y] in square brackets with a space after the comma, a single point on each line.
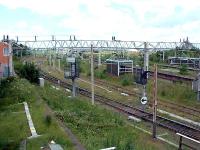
[4, 37]
[7, 38]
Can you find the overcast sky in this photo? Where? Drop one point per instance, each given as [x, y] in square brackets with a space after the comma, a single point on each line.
[146, 20]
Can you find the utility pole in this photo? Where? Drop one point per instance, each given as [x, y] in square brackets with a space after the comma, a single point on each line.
[146, 57]
[59, 63]
[99, 59]
[92, 73]
[155, 100]
[163, 56]
[146, 65]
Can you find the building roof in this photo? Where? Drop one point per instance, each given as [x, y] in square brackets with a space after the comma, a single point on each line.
[4, 43]
[119, 60]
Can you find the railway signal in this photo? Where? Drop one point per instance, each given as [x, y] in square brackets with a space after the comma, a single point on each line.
[72, 72]
[142, 80]
[144, 100]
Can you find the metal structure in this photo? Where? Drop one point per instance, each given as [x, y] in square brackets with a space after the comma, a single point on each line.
[92, 74]
[37, 43]
[74, 44]
[72, 72]
[119, 66]
[196, 86]
[191, 62]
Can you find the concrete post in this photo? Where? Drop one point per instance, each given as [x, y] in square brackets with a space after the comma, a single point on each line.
[146, 57]
[58, 63]
[92, 73]
[73, 88]
[50, 59]
[118, 69]
[53, 62]
[21, 53]
[99, 59]
[163, 56]
[198, 88]
[155, 101]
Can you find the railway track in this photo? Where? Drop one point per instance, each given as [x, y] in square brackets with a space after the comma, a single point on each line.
[171, 77]
[178, 67]
[130, 110]
[174, 106]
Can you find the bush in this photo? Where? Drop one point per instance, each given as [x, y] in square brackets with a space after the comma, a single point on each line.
[29, 71]
[125, 81]
[48, 120]
[101, 74]
[4, 85]
[183, 69]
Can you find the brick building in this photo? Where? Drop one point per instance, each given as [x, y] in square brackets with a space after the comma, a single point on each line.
[6, 67]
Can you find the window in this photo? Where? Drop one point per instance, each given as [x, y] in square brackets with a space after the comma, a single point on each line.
[6, 51]
[5, 71]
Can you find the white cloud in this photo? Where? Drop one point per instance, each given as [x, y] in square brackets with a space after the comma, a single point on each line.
[22, 24]
[136, 20]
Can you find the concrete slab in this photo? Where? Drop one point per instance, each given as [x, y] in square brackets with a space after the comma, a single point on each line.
[30, 122]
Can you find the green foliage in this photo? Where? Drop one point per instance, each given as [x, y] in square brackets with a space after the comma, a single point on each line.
[101, 74]
[48, 120]
[4, 83]
[183, 69]
[126, 80]
[96, 127]
[28, 71]
[14, 127]
[15, 91]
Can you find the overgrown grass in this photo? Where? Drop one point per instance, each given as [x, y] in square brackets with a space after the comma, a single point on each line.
[14, 126]
[96, 126]
[126, 80]
[176, 92]
[16, 91]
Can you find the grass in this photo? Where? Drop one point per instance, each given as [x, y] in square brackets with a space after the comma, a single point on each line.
[16, 124]
[167, 91]
[96, 126]
[175, 92]
[13, 118]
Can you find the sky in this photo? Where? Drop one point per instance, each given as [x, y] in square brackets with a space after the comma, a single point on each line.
[135, 20]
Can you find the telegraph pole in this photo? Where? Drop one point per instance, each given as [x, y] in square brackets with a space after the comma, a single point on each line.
[146, 57]
[92, 73]
[146, 65]
[155, 100]
[99, 59]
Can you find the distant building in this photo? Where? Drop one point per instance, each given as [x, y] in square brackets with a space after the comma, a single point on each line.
[6, 65]
[118, 67]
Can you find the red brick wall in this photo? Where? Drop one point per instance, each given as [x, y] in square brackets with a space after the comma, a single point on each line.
[3, 59]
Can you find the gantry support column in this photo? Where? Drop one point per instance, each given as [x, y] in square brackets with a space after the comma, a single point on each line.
[146, 57]
[99, 59]
[58, 63]
[92, 74]
[163, 56]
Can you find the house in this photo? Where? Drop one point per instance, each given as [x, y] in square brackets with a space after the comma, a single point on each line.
[6, 67]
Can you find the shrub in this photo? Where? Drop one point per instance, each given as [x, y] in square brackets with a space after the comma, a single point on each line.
[30, 72]
[101, 74]
[183, 69]
[125, 81]
[48, 120]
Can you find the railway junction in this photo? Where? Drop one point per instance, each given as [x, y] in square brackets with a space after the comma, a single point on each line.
[151, 103]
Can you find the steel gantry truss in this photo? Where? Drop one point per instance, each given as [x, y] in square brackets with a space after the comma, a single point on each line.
[83, 45]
